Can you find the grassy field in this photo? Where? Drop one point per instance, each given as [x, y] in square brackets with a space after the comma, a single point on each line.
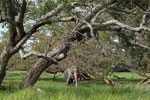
[86, 90]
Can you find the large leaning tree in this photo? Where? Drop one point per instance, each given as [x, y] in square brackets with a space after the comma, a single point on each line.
[126, 19]
[15, 16]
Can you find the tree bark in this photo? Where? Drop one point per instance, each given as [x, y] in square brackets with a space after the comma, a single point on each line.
[4, 58]
[35, 72]
[58, 53]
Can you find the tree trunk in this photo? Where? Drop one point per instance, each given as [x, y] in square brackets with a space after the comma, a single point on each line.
[4, 58]
[35, 72]
[58, 53]
[54, 77]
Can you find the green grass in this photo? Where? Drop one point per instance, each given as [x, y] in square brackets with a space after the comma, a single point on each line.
[86, 90]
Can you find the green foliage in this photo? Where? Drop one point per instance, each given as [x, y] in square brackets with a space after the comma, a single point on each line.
[4, 7]
[106, 65]
[16, 63]
[44, 6]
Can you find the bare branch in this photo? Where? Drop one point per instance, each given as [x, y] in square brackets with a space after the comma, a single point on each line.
[22, 11]
[47, 19]
[99, 26]
[100, 12]
[97, 9]
[105, 26]
[94, 11]
[127, 40]
[143, 20]
[53, 12]
[89, 16]
[21, 18]
[39, 24]
[96, 38]
[23, 55]
[91, 28]
[51, 42]
[135, 29]
[141, 45]
[139, 5]
[124, 26]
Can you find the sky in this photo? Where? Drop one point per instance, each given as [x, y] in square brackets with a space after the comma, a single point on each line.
[1, 29]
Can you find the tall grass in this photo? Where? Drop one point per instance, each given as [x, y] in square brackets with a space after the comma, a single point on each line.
[85, 91]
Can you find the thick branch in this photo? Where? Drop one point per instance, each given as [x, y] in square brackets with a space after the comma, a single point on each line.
[22, 11]
[23, 55]
[21, 18]
[100, 12]
[53, 12]
[143, 20]
[91, 28]
[97, 9]
[39, 24]
[11, 13]
[7, 20]
[124, 26]
[141, 45]
[106, 27]
[12, 27]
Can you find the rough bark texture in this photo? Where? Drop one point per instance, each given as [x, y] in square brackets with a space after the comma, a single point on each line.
[57, 53]
[35, 72]
[4, 58]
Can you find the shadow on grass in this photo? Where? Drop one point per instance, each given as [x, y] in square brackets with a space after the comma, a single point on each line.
[10, 88]
[100, 81]
[16, 74]
[127, 80]
[14, 78]
[11, 83]
[51, 79]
